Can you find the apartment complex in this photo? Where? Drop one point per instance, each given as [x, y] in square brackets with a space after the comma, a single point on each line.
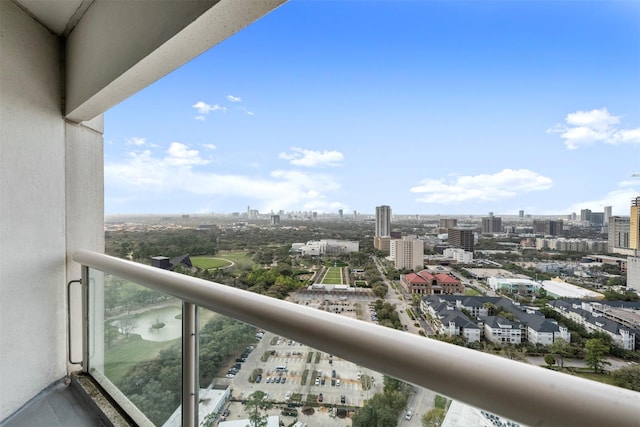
[407, 253]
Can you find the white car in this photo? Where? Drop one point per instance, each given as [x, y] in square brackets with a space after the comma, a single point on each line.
[287, 396]
[409, 415]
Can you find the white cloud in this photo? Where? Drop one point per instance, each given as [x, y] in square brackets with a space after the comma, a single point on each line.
[310, 158]
[137, 141]
[501, 185]
[180, 155]
[144, 173]
[203, 109]
[209, 146]
[583, 128]
[234, 98]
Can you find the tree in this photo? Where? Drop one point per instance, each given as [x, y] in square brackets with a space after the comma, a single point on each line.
[255, 405]
[596, 350]
[560, 348]
[549, 360]
[433, 418]
[627, 377]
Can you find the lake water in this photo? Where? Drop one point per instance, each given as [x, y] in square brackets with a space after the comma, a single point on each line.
[171, 330]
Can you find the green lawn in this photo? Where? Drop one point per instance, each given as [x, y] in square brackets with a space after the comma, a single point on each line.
[471, 292]
[207, 262]
[125, 353]
[333, 276]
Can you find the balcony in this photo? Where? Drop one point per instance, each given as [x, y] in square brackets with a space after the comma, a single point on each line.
[523, 393]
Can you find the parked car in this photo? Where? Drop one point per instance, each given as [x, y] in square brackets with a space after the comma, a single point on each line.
[320, 397]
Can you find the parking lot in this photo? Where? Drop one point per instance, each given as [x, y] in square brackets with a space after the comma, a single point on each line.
[292, 372]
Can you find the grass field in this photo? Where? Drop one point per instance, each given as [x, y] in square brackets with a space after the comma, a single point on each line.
[223, 259]
[333, 276]
[206, 262]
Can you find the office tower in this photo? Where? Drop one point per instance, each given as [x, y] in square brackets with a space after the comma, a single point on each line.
[634, 225]
[461, 238]
[597, 219]
[585, 217]
[275, 219]
[618, 237]
[491, 224]
[408, 253]
[521, 214]
[383, 221]
[607, 214]
[340, 213]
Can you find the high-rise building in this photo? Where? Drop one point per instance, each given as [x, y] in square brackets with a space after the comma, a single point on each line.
[275, 219]
[408, 253]
[521, 214]
[634, 225]
[618, 238]
[461, 238]
[548, 227]
[340, 213]
[383, 221]
[491, 224]
[607, 214]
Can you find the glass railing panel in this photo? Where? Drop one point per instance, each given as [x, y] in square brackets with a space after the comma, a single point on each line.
[134, 346]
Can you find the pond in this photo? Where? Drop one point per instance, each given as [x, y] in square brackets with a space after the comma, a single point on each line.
[167, 315]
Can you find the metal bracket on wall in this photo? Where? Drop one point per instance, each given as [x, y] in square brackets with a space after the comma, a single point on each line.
[69, 322]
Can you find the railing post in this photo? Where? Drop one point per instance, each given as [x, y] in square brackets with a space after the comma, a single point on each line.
[190, 386]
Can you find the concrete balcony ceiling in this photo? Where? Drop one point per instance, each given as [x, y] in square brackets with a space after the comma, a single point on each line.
[102, 65]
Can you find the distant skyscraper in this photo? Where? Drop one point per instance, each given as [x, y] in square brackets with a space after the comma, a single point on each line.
[461, 238]
[521, 214]
[548, 227]
[383, 221]
[607, 214]
[340, 213]
[585, 216]
[275, 219]
[491, 224]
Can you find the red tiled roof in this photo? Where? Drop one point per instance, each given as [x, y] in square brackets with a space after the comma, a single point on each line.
[426, 275]
[445, 278]
[414, 278]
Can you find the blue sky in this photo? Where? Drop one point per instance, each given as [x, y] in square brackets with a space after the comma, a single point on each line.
[429, 107]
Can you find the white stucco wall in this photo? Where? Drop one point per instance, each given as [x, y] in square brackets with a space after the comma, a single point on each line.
[51, 202]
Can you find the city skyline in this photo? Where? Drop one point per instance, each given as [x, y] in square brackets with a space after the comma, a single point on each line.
[429, 107]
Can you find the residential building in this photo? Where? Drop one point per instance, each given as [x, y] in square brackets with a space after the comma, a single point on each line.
[548, 227]
[461, 238]
[491, 224]
[583, 313]
[618, 235]
[502, 331]
[447, 319]
[383, 221]
[326, 246]
[408, 253]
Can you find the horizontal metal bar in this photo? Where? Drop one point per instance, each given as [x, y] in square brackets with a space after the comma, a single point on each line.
[525, 393]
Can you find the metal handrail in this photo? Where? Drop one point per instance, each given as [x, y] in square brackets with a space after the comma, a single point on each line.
[528, 394]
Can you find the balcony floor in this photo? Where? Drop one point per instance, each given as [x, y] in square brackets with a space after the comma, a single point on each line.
[57, 405]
